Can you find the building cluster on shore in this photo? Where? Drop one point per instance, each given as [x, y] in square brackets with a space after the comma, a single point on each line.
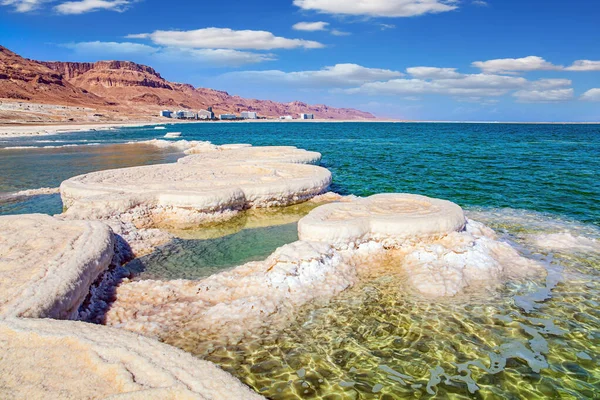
[209, 115]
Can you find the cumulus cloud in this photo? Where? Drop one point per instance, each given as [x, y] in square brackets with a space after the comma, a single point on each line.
[543, 96]
[23, 6]
[433, 73]
[584, 65]
[378, 8]
[215, 57]
[340, 75]
[311, 26]
[86, 6]
[591, 95]
[223, 38]
[532, 63]
[208, 57]
[447, 81]
[515, 65]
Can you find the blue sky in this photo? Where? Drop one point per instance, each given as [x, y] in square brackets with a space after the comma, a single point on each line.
[495, 60]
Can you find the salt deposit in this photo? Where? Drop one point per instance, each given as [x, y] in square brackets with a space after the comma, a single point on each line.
[287, 154]
[389, 218]
[179, 195]
[429, 240]
[47, 265]
[41, 359]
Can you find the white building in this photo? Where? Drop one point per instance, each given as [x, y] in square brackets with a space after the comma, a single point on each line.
[224, 117]
[166, 113]
[206, 114]
[286, 117]
[307, 116]
[249, 115]
[186, 114]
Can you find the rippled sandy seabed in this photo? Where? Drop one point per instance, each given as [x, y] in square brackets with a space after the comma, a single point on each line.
[535, 338]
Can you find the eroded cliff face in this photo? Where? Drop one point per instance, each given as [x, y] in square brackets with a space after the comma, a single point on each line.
[23, 79]
[109, 74]
[134, 89]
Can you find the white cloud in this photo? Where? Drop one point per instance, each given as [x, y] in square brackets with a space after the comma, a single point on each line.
[447, 81]
[480, 3]
[214, 57]
[111, 48]
[543, 96]
[340, 75]
[584, 65]
[515, 65]
[86, 6]
[23, 6]
[591, 95]
[336, 32]
[219, 38]
[433, 73]
[378, 8]
[532, 63]
[311, 26]
[208, 57]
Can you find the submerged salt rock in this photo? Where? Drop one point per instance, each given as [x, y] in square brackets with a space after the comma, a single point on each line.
[172, 194]
[48, 265]
[385, 217]
[41, 359]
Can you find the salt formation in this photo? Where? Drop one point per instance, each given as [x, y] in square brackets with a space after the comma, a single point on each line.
[42, 359]
[382, 218]
[229, 305]
[210, 187]
[440, 252]
[287, 154]
[48, 265]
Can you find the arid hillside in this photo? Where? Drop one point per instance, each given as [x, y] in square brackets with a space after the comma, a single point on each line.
[123, 90]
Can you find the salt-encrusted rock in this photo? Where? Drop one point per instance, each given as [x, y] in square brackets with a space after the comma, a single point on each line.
[389, 218]
[232, 304]
[176, 195]
[49, 359]
[288, 154]
[429, 240]
[48, 265]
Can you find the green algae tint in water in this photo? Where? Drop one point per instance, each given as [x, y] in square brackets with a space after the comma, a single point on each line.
[532, 340]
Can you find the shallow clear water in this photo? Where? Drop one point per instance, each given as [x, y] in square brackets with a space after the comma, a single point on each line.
[534, 339]
[195, 259]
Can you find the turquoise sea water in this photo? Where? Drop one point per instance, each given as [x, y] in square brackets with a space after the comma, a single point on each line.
[535, 339]
[547, 168]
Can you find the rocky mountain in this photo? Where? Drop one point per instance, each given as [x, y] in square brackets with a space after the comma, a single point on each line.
[135, 85]
[126, 90]
[26, 80]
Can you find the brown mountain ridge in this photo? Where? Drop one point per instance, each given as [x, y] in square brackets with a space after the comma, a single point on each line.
[121, 90]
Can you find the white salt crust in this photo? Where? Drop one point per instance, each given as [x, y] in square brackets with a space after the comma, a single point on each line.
[201, 190]
[383, 217]
[441, 256]
[48, 359]
[47, 265]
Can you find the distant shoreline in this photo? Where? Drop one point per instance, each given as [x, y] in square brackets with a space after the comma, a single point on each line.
[18, 130]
